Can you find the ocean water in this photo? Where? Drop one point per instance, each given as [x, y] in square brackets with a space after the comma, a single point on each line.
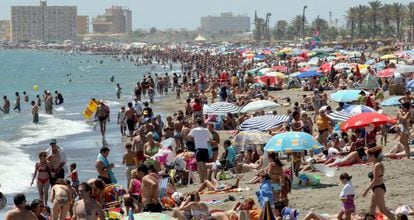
[21, 140]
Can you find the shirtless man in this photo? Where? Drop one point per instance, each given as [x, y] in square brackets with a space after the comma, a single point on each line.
[87, 208]
[149, 190]
[103, 113]
[56, 158]
[48, 103]
[178, 137]
[6, 105]
[138, 143]
[17, 104]
[20, 212]
[103, 167]
[169, 128]
[35, 112]
[130, 117]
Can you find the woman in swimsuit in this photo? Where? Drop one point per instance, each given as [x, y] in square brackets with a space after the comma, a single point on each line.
[150, 149]
[275, 171]
[377, 184]
[42, 172]
[61, 196]
[191, 208]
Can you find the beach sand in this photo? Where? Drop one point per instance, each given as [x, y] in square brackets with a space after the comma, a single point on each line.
[325, 197]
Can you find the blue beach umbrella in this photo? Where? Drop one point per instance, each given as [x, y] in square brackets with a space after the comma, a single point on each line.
[392, 101]
[288, 142]
[348, 95]
[358, 109]
[309, 74]
[410, 84]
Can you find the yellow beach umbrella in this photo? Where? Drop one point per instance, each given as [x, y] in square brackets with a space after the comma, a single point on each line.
[388, 57]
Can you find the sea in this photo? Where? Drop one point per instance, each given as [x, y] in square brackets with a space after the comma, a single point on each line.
[79, 77]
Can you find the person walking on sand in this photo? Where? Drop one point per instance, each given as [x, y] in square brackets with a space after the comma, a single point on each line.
[56, 159]
[42, 173]
[6, 105]
[20, 212]
[35, 112]
[102, 113]
[347, 197]
[201, 137]
[87, 208]
[129, 160]
[130, 117]
[61, 198]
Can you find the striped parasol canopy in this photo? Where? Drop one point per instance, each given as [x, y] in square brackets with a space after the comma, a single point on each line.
[339, 116]
[222, 108]
[358, 109]
[263, 123]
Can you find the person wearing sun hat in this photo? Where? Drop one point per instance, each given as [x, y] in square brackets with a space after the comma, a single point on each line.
[56, 158]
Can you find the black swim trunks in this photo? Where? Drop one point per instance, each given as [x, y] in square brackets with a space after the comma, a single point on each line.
[152, 208]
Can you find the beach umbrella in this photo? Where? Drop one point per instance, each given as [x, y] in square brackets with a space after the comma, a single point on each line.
[386, 73]
[369, 82]
[292, 141]
[276, 74]
[338, 116]
[348, 95]
[392, 101]
[251, 138]
[379, 66]
[325, 68]
[263, 123]
[259, 57]
[358, 109]
[342, 66]
[404, 68]
[388, 57]
[309, 74]
[263, 71]
[151, 216]
[222, 108]
[366, 119]
[354, 54]
[298, 59]
[410, 85]
[259, 105]
[280, 68]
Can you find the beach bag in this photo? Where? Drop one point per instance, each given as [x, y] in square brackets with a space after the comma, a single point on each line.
[290, 213]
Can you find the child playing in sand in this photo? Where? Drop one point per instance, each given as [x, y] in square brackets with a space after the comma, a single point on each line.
[347, 197]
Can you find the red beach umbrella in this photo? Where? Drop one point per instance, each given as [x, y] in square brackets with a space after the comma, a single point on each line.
[365, 119]
[386, 73]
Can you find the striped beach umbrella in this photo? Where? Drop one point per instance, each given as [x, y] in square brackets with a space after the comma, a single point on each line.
[358, 109]
[263, 123]
[251, 138]
[259, 105]
[339, 116]
[222, 108]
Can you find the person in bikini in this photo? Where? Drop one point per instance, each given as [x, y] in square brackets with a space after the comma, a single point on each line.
[138, 144]
[214, 185]
[178, 137]
[42, 172]
[61, 196]
[87, 208]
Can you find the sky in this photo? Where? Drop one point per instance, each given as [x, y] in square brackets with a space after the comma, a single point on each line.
[163, 14]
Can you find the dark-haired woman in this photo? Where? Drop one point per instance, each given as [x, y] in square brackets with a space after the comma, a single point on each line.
[377, 183]
[275, 171]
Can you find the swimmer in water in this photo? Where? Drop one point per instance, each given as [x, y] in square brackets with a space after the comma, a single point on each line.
[112, 78]
[35, 112]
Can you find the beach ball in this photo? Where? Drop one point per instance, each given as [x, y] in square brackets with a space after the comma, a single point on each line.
[35, 87]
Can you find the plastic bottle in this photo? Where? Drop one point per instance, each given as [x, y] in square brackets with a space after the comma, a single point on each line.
[130, 214]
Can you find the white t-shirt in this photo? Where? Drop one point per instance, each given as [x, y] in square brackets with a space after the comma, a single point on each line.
[347, 190]
[138, 107]
[201, 137]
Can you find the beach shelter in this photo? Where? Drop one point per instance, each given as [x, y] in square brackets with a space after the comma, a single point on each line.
[251, 138]
[338, 116]
[263, 123]
[358, 109]
[386, 73]
[369, 82]
[259, 105]
[222, 108]
[392, 101]
[404, 68]
[292, 141]
[200, 38]
[309, 74]
[347, 95]
[366, 119]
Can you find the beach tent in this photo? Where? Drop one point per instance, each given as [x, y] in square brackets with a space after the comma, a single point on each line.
[200, 38]
[369, 82]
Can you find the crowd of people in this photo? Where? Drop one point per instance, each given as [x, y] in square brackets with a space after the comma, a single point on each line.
[161, 155]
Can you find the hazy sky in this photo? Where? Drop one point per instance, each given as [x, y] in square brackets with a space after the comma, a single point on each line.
[186, 13]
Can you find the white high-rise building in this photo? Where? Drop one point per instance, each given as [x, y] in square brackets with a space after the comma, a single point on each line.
[43, 23]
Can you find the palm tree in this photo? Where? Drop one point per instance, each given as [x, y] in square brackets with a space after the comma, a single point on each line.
[398, 13]
[386, 18]
[410, 8]
[296, 24]
[351, 16]
[281, 26]
[361, 17]
[375, 7]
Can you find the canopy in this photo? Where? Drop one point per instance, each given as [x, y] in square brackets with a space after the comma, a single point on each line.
[199, 38]
[348, 95]
[338, 116]
[366, 119]
[309, 74]
[392, 101]
[263, 123]
[358, 109]
[251, 138]
[222, 108]
[369, 82]
[288, 142]
[259, 105]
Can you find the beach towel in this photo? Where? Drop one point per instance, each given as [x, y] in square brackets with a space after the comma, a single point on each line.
[265, 193]
[107, 164]
[227, 191]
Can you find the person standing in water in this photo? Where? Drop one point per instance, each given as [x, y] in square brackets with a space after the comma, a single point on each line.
[35, 112]
[102, 113]
[118, 91]
[17, 104]
[48, 103]
[6, 105]
[25, 97]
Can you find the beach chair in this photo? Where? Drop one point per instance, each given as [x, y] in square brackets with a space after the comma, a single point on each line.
[113, 196]
[163, 186]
